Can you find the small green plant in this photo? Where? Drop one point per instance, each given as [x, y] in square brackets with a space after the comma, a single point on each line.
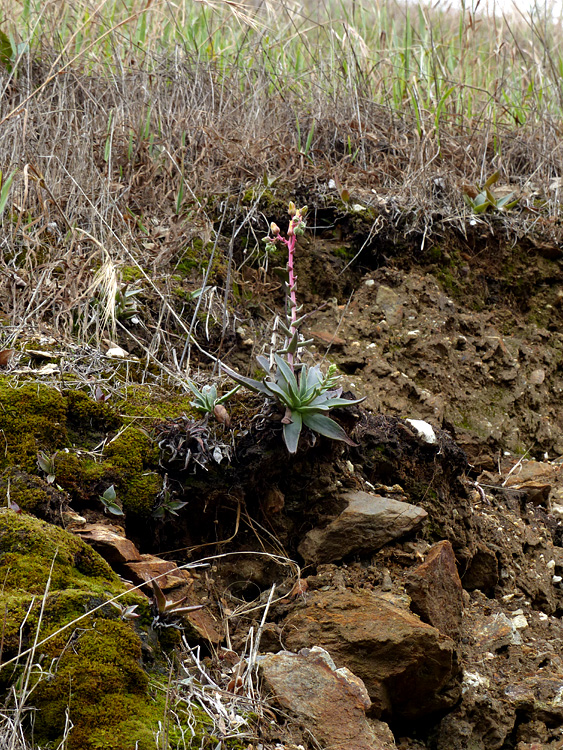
[483, 199]
[207, 399]
[108, 500]
[303, 391]
[47, 464]
[5, 182]
[126, 307]
[166, 503]
[306, 398]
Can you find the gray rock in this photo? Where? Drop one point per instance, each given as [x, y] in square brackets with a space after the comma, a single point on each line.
[391, 304]
[367, 524]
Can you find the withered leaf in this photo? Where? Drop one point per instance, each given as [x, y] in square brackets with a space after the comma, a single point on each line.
[5, 357]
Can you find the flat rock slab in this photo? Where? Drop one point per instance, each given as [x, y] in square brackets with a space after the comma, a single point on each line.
[331, 703]
[166, 573]
[436, 592]
[409, 668]
[365, 525]
[110, 544]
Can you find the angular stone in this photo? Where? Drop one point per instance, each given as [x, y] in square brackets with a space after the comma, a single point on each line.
[368, 523]
[149, 567]
[495, 632]
[390, 304]
[109, 543]
[331, 703]
[436, 592]
[408, 667]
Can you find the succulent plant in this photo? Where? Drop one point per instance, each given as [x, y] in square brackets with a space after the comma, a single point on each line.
[307, 396]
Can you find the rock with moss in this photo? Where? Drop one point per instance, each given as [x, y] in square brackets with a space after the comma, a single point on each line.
[32, 494]
[87, 659]
[134, 457]
[32, 418]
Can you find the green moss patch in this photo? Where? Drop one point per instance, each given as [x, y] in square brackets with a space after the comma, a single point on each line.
[91, 666]
[32, 417]
[133, 456]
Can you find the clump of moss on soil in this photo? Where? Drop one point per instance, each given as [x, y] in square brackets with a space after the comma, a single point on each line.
[32, 417]
[100, 678]
[32, 494]
[133, 455]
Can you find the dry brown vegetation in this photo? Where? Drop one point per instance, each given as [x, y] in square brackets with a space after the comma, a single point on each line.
[137, 130]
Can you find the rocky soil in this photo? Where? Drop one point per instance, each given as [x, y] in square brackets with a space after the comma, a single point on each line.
[403, 593]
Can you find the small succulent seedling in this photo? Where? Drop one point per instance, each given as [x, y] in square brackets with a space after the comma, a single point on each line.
[209, 402]
[168, 607]
[167, 505]
[482, 199]
[126, 307]
[108, 500]
[126, 612]
[47, 464]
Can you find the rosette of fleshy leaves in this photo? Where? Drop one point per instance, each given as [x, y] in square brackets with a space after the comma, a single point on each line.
[307, 396]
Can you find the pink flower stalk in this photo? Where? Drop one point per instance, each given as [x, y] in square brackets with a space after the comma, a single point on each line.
[296, 226]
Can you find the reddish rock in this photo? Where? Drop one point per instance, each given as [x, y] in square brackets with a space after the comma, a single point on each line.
[436, 592]
[149, 567]
[409, 668]
[367, 524]
[331, 703]
[328, 338]
[179, 587]
[108, 542]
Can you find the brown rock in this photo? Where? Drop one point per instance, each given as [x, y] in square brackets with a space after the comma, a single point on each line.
[108, 542]
[328, 338]
[408, 667]
[368, 523]
[149, 567]
[200, 623]
[330, 702]
[436, 592]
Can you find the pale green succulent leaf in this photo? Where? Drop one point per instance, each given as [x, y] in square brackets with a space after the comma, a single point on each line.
[326, 426]
[292, 431]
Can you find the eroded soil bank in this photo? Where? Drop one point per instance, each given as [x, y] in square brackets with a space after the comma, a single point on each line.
[428, 564]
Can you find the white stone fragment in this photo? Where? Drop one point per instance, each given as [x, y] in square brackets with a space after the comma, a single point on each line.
[474, 680]
[117, 352]
[425, 430]
[369, 282]
[519, 622]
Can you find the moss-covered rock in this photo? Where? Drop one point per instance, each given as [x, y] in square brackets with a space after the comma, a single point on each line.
[91, 660]
[86, 415]
[32, 417]
[32, 494]
[134, 456]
